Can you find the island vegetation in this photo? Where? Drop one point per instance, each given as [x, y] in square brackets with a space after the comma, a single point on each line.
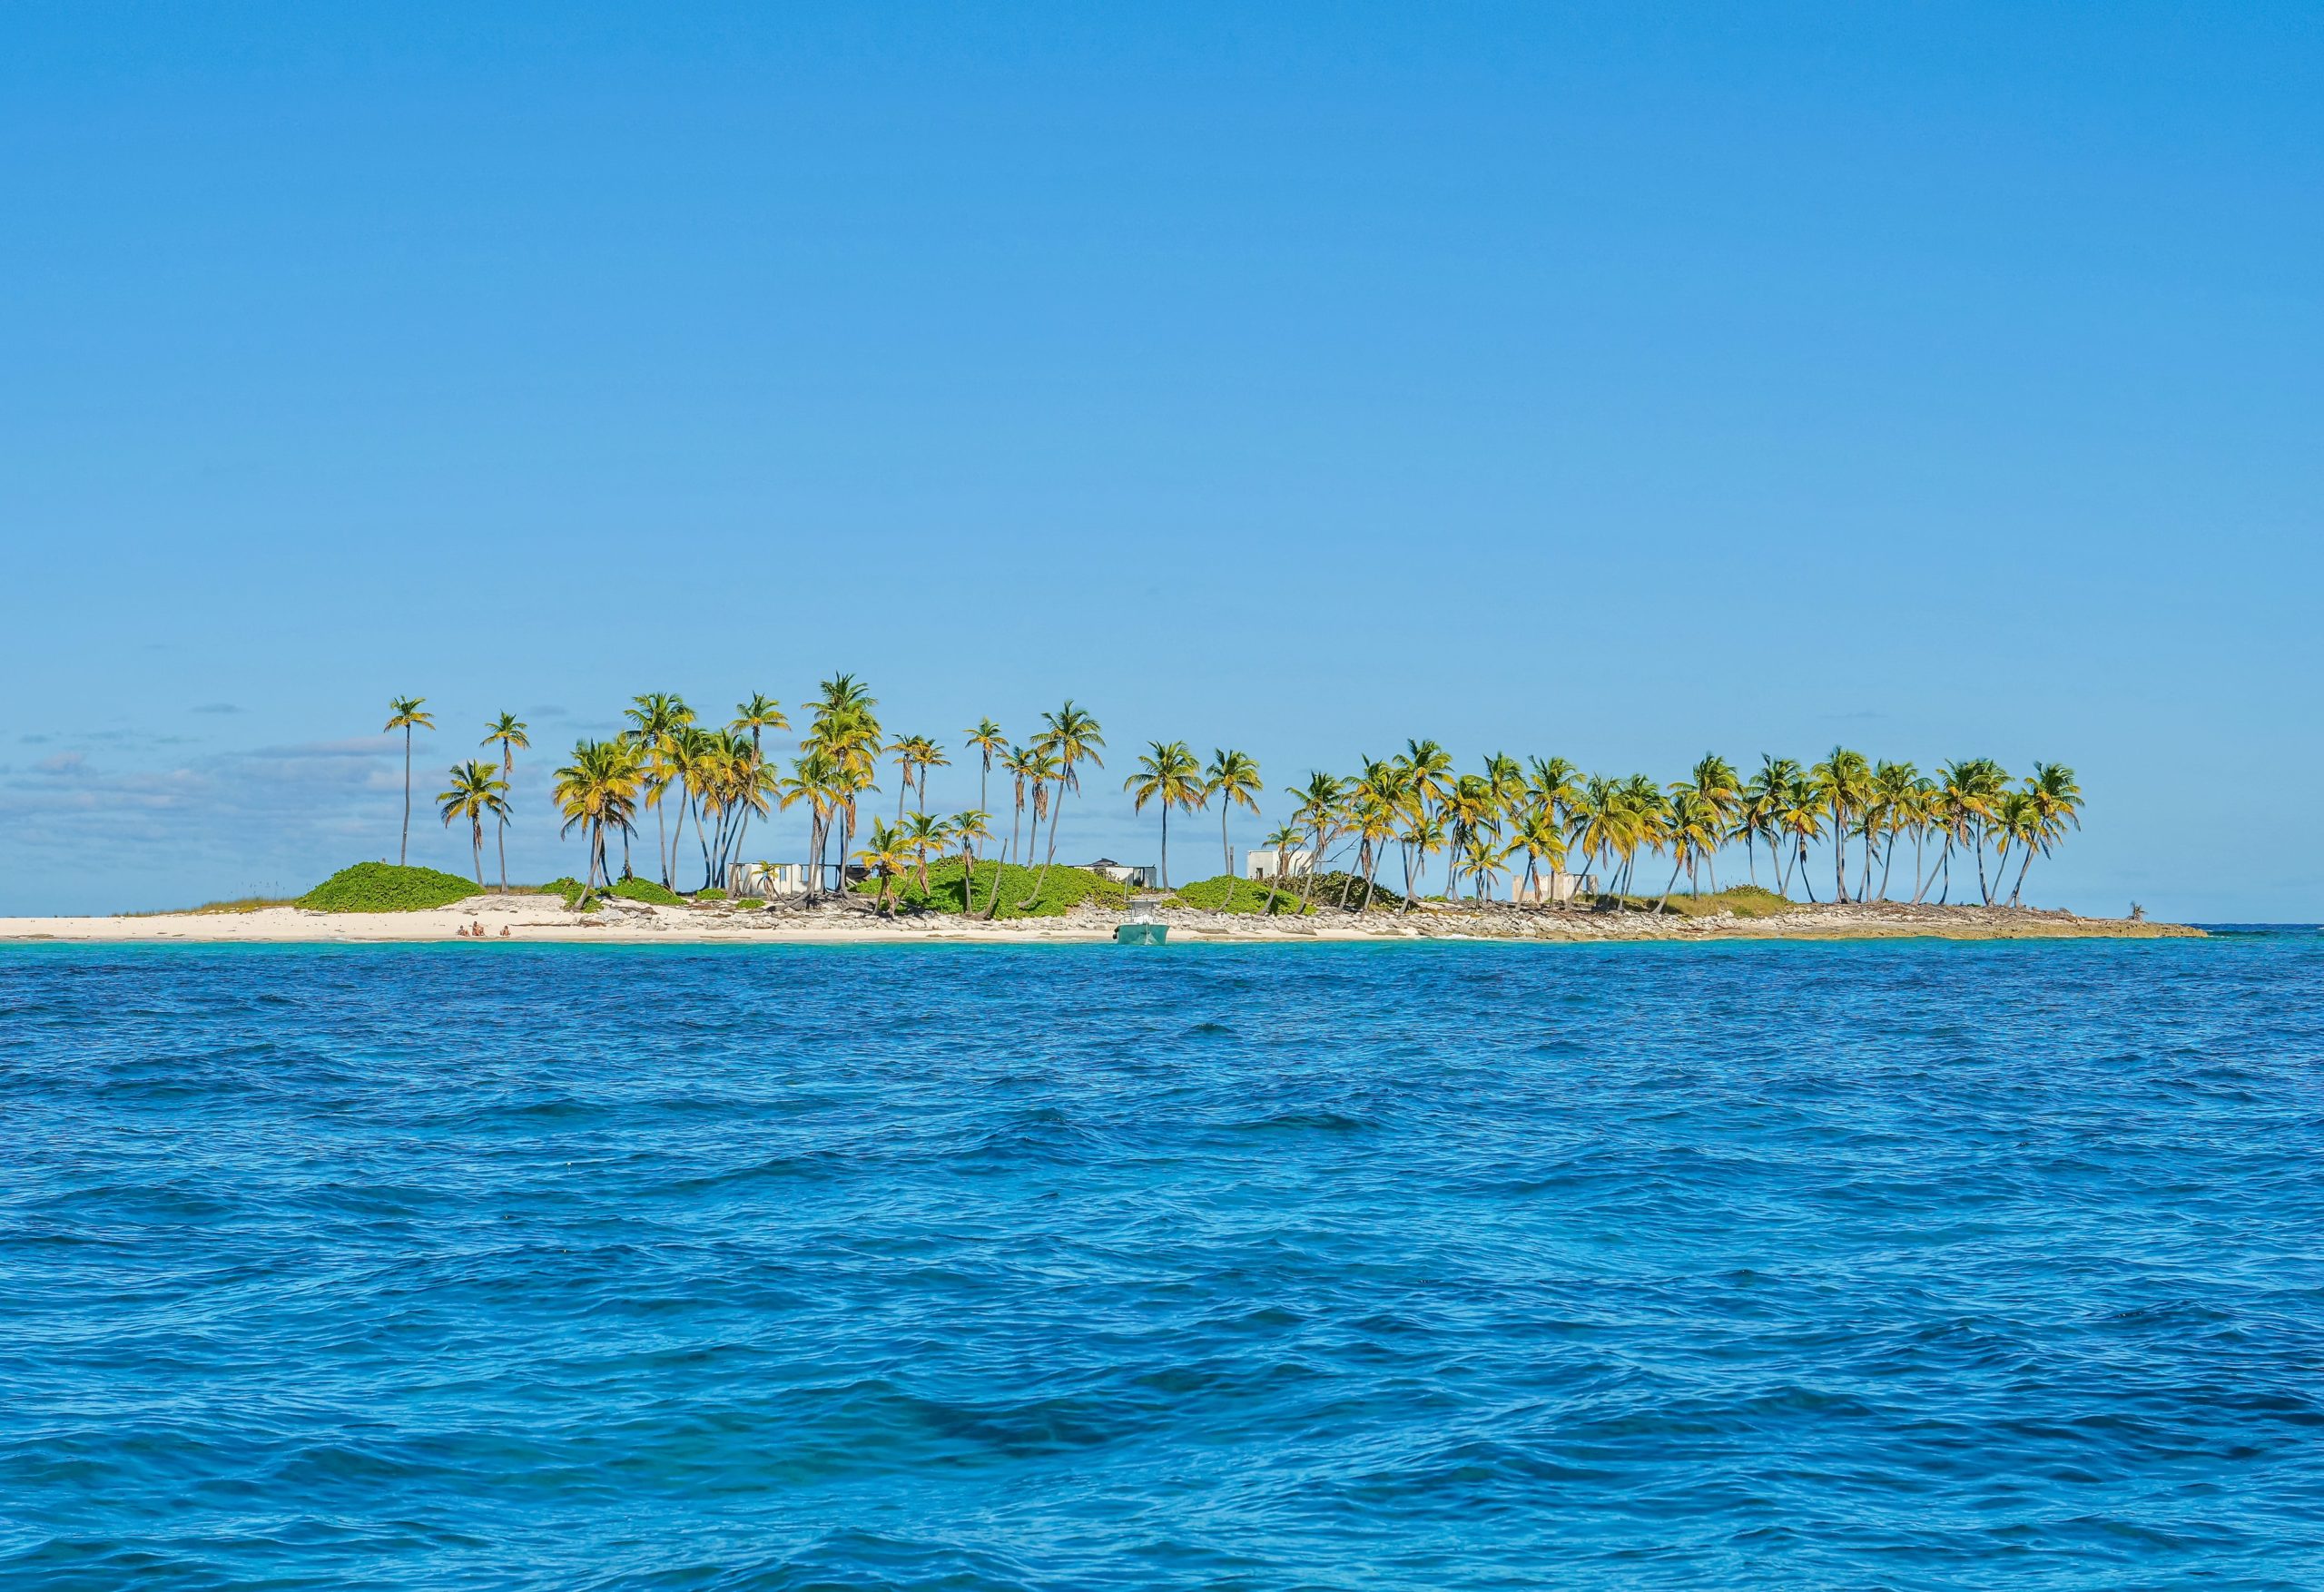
[1398, 830]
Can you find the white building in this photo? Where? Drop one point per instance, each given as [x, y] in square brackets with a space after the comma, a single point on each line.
[766, 880]
[1551, 890]
[1139, 875]
[1264, 865]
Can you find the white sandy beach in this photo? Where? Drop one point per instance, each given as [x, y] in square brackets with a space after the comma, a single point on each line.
[532, 919]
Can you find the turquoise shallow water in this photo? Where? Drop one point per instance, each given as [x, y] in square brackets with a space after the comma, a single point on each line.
[1908, 1265]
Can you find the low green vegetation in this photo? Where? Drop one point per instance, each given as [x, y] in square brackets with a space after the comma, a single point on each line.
[383, 886]
[647, 891]
[1744, 900]
[1063, 889]
[1228, 894]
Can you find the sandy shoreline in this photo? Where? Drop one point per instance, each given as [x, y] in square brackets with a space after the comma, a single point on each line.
[541, 919]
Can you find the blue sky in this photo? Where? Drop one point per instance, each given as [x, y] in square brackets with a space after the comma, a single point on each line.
[1615, 382]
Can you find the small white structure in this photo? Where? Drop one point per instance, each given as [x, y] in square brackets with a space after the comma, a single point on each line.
[1139, 875]
[1551, 890]
[1264, 865]
[766, 880]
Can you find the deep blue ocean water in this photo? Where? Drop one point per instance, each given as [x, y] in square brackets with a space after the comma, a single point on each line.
[1904, 1266]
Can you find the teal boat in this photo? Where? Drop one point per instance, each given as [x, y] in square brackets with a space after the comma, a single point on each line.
[1142, 930]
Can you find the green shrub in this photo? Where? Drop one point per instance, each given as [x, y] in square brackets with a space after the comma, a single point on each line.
[710, 895]
[382, 887]
[646, 890]
[1064, 889]
[1228, 894]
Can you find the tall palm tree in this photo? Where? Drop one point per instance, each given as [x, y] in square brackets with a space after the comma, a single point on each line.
[1755, 815]
[2052, 804]
[507, 732]
[476, 791]
[761, 712]
[1538, 836]
[1471, 807]
[1800, 818]
[404, 713]
[1168, 775]
[1422, 837]
[1690, 828]
[1722, 793]
[1073, 737]
[1377, 807]
[1893, 810]
[1321, 809]
[599, 789]
[1843, 782]
[655, 720]
[988, 742]
[1232, 777]
[844, 728]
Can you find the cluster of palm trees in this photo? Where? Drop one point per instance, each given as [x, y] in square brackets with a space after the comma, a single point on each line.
[1415, 805]
[1549, 813]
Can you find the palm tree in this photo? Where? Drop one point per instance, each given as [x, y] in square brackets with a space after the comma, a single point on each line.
[761, 712]
[2052, 804]
[845, 730]
[476, 790]
[987, 740]
[1169, 775]
[1538, 836]
[815, 780]
[1755, 815]
[1799, 818]
[598, 788]
[509, 732]
[885, 855]
[1485, 860]
[1377, 806]
[1032, 768]
[1722, 793]
[1843, 782]
[1283, 841]
[1690, 828]
[1232, 777]
[1320, 812]
[1073, 737]
[1422, 838]
[404, 714]
[923, 834]
[1470, 808]
[968, 829]
[655, 720]
[1894, 789]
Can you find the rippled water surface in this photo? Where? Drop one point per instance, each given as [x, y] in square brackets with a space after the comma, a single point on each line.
[1415, 1267]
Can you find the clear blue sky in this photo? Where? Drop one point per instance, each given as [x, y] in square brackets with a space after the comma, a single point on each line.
[1620, 382]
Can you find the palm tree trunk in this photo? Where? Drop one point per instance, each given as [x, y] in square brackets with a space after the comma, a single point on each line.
[403, 847]
[1983, 889]
[1669, 885]
[1225, 850]
[662, 854]
[1887, 863]
[502, 841]
[476, 849]
[1839, 851]
[1166, 847]
[2018, 889]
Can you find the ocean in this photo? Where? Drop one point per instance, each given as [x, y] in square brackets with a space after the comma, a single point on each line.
[1902, 1264]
